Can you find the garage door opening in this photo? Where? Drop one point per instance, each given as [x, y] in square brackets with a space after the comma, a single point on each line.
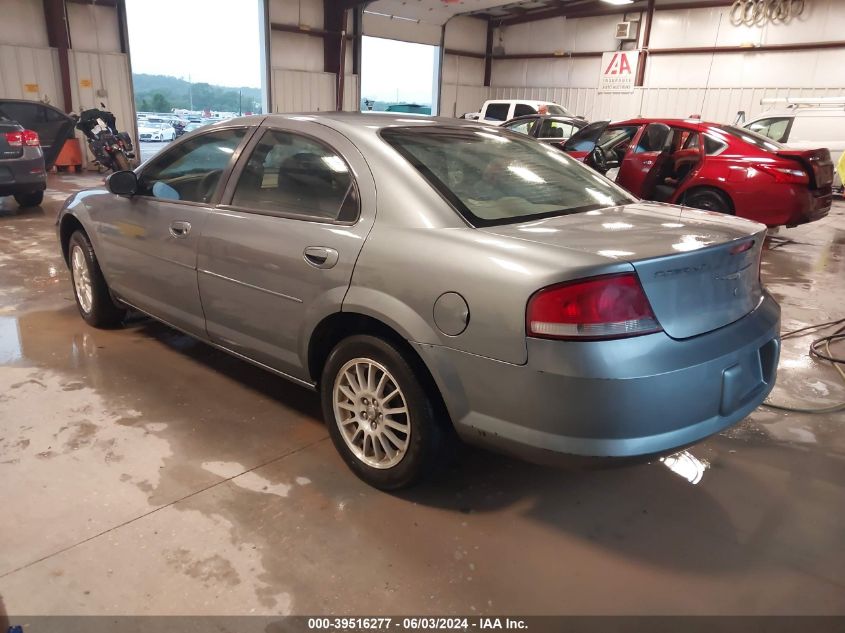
[192, 67]
[399, 76]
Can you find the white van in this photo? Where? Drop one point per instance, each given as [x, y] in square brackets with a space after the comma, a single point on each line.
[804, 123]
[497, 111]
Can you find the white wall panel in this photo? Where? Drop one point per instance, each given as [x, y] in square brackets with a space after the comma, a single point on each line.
[22, 23]
[300, 91]
[93, 28]
[22, 66]
[466, 34]
[307, 13]
[715, 104]
[296, 51]
[351, 101]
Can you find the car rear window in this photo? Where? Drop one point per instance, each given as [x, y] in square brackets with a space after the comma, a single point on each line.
[752, 138]
[498, 177]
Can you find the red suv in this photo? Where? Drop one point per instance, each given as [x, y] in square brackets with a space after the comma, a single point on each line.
[710, 166]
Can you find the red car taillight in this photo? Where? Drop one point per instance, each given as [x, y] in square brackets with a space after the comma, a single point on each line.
[18, 139]
[611, 306]
[14, 139]
[785, 174]
[30, 138]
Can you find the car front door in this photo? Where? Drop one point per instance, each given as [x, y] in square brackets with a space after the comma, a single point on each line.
[148, 242]
[650, 151]
[583, 142]
[278, 256]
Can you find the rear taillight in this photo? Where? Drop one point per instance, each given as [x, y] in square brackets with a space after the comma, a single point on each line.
[611, 306]
[14, 139]
[30, 138]
[790, 175]
[18, 139]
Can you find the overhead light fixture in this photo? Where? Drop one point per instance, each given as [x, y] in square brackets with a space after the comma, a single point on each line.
[618, 1]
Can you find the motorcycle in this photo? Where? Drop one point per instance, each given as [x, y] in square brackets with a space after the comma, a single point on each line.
[111, 149]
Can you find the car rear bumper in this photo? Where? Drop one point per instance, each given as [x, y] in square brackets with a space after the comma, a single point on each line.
[22, 175]
[611, 399]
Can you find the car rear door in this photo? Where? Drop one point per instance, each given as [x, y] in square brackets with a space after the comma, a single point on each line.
[277, 257]
[646, 157]
[53, 126]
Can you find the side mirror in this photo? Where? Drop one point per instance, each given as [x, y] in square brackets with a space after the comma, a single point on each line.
[123, 183]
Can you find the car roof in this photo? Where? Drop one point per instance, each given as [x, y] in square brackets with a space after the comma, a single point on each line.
[554, 117]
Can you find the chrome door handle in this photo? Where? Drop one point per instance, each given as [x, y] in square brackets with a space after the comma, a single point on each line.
[180, 229]
[320, 256]
[648, 162]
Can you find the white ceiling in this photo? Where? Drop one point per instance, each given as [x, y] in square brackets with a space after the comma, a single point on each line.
[439, 11]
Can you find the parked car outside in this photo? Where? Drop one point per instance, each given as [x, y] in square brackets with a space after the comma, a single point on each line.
[31, 136]
[710, 166]
[549, 128]
[580, 321]
[497, 111]
[151, 131]
[805, 124]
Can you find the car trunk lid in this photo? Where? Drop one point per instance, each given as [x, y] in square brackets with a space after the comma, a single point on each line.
[816, 162]
[699, 270]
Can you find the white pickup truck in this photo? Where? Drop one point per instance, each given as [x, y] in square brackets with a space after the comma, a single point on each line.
[497, 111]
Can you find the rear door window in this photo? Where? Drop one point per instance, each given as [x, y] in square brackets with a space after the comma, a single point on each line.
[523, 127]
[291, 174]
[557, 129]
[498, 111]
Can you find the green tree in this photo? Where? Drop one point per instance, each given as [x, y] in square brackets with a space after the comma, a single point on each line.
[160, 103]
[144, 106]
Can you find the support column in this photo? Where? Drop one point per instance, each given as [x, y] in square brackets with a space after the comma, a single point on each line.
[488, 54]
[643, 57]
[58, 37]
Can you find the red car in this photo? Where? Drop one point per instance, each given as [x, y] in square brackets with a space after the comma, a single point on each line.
[710, 166]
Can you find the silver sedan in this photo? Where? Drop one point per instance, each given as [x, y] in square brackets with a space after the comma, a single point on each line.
[432, 277]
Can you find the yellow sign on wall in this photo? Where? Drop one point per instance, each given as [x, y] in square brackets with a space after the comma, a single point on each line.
[85, 83]
[30, 88]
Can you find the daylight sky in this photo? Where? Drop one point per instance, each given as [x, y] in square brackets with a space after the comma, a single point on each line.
[389, 67]
[213, 41]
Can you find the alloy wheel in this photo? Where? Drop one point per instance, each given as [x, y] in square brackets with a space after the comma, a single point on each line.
[81, 279]
[371, 412]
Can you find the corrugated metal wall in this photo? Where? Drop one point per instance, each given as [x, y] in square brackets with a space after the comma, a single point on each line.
[714, 104]
[30, 73]
[307, 91]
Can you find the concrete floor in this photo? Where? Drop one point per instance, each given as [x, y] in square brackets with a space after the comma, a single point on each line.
[142, 472]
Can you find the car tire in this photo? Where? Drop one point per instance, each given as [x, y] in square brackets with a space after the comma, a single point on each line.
[90, 290]
[121, 163]
[709, 199]
[383, 446]
[32, 199]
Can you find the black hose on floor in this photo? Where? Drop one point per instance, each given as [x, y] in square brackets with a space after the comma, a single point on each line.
[815, 346]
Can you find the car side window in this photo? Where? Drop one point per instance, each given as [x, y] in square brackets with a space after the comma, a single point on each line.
[775, 128]
[498, 111]
[292, 174]
[523, 127]
[191, 170]
[713, 147]
[556, 129]
[522, 109]
[654, 138]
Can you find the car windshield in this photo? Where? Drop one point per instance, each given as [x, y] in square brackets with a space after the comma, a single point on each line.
[499, 177]
[752, 138]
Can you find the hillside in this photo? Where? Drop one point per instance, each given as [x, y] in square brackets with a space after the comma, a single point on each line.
[162, 93]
